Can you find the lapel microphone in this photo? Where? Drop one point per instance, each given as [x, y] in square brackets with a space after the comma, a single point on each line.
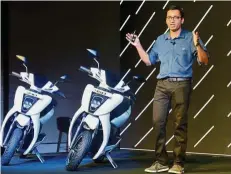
[172, 42]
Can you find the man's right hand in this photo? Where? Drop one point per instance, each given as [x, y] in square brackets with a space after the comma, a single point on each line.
[133, 39]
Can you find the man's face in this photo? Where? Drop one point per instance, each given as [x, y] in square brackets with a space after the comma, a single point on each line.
[174, 20]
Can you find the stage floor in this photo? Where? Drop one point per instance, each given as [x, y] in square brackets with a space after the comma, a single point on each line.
[129, 162]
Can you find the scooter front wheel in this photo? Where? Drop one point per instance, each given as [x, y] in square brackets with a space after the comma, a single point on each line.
[11, 146]
[79, 150]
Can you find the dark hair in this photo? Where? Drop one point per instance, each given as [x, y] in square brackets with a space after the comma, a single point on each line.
[175, 7]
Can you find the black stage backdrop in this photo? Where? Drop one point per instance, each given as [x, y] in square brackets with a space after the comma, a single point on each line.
[209, 131]
[54, 36]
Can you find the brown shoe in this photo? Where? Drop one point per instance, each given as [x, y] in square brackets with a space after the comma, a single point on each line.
[156, 168]
[176, 169]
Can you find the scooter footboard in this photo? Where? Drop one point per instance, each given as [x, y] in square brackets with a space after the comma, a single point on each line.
[120, 120]
[47, 117]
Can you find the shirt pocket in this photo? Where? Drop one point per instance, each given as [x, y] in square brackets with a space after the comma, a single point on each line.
[183, 56]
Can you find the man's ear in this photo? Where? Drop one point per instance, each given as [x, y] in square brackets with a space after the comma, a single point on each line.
[182, 21]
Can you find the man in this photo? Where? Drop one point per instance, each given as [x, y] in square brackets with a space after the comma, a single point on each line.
[176, 51]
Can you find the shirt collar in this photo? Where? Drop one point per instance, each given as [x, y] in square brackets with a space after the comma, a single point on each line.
[167, 35]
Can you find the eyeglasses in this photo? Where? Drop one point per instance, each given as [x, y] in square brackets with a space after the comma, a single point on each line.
[174, 17]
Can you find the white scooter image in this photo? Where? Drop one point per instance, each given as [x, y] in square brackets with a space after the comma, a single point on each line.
[104, 109]
[20, 130]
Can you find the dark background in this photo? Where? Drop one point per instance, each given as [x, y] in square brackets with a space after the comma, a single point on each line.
[54, 37]
[215, 83]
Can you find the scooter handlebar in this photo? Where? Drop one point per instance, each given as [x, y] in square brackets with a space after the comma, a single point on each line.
[60, 94]
[84, 69]
[15, 74]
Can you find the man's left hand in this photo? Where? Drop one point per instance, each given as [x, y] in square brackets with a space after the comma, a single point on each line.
[196, 38]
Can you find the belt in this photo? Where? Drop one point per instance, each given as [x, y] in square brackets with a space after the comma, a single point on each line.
[177, 79]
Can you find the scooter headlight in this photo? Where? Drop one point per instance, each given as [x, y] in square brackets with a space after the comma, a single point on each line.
[96, 101]
[28, 102]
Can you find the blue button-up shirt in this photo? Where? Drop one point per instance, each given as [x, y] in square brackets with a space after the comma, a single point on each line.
[176, 55]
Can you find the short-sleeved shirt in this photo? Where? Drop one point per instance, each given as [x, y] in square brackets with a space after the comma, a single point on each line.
[176, 56]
